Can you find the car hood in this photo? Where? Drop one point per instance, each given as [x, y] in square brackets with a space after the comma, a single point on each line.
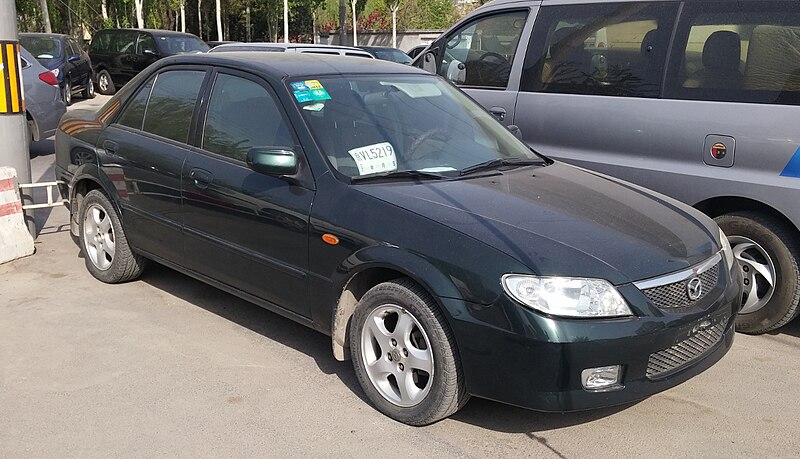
[564, 221]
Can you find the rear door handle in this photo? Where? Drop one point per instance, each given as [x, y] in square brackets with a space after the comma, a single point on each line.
[498, 112]
[110, 147]
[202, 178]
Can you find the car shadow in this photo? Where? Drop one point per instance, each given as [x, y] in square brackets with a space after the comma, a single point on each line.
[255, 318]
[791, 329]
[42, 148]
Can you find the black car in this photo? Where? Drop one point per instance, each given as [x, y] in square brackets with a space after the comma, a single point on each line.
[120, 54]
[64, 57]
[380, 205]
[387, 54]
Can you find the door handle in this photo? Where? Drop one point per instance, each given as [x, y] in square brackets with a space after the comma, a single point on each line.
[202, 178]
[498, 112]
[110, 147]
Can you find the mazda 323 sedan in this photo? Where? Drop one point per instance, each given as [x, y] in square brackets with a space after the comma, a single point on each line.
[379, 205]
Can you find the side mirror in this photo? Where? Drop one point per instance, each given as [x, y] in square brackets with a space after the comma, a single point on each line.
[514, 129]
[272, 160]
[73, 58]
[150, 52]
[429, 62]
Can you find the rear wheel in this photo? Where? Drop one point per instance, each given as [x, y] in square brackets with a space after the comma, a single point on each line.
[67, 93]
[768, 257]
[404, 354]
[104, 83]
[105, 248]
[88, 90]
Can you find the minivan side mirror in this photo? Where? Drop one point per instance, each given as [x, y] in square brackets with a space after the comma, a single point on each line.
[272, 160]
[150, 52]
[429, 61]
[73, 58]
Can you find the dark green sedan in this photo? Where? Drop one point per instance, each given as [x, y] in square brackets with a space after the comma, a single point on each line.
[381, 206]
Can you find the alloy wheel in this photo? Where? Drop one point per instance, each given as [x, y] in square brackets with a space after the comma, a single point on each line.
[758, 272]
[98, 237]
[397, 355]
[102, 80]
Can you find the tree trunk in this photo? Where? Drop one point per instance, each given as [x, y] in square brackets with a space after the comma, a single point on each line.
[314, 27]
[104, 10]
[343, 22]
[247, 22]
[219, 21]
[286, 21]
[183, 16]
[139, 17]
[394, 27]
[45, 16]
[199, 19]
[355, 22]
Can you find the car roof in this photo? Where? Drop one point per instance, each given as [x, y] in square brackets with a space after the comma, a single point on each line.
[286, 45]
[57, 36]
[157, 32]
[280, 65]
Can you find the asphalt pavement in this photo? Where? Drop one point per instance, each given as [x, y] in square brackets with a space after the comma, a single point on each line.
[168, 366]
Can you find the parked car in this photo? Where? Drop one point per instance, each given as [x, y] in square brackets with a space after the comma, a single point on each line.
[65, 58]
[302, 48]
[414, 52]
[380, 205]
[387, 54]
[213, 44]
[696, 99]
[120, 54]
[44, 104]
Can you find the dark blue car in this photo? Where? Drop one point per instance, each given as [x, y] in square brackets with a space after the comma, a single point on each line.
[64, 57]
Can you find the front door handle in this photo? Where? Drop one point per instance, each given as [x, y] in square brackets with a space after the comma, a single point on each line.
[110, 147]
[202, 178]
[498, 112]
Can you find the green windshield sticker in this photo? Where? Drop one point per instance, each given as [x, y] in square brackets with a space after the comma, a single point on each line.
[320, 94]
[309, 90]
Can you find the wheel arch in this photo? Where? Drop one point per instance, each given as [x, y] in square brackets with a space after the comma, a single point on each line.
[33, 125]
[362, 277]
[84, 182]
[716, 206]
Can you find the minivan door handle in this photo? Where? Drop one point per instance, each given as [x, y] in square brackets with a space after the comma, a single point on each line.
[202, 178]
[110, 147]
[498, 112]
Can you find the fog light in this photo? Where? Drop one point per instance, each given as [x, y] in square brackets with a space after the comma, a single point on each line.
[602, 378]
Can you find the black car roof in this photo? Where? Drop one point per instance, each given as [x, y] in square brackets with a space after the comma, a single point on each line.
[156, 32]
[279, 65]
[57, 36]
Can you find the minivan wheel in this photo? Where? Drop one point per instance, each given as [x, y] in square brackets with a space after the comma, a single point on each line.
[404, 354]
[67, 93]
[768, 257]
[104, 83]
[88, 90]
[105, 247]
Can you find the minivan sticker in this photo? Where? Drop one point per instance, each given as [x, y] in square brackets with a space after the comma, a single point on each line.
[309, 90]
[792, 168]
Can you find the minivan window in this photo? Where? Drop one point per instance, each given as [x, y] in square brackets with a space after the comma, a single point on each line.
[133, 115]
[122, 42]
[737, 52]
[241, 115]
[145, 42]
[180, 44]
[481, 52]
[172, 101]
[610, 49]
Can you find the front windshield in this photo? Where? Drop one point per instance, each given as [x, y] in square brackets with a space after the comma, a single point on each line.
[394, 55]
[379, 124]
[181, 45]
[43, 49]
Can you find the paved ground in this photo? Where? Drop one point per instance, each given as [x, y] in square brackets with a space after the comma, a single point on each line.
[167, 366]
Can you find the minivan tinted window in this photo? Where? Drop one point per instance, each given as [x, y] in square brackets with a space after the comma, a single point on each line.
[611, 49]
[737, 52]
[169, 111]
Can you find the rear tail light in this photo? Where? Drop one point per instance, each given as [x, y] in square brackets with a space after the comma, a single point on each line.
[49, 78]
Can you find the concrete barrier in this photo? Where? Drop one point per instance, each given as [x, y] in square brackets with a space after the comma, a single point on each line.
[15, 240]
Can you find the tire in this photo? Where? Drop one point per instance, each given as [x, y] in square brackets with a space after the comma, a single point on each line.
[105, 248]
[384, 360]
[88, 90]
[761, 244]
[104, 83]
[67, 92]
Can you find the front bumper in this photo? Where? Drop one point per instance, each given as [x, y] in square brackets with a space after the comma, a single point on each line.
[514, 355]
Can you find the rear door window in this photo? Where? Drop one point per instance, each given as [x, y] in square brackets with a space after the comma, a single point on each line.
[145, 43]
[737, 52]
[172, 102]
[480, 53]
[610, 49]
[242, 114]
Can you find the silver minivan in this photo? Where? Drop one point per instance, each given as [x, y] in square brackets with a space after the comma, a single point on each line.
[696, 99]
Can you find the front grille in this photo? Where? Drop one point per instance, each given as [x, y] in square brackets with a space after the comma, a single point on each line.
[675, 295]
[674, 357]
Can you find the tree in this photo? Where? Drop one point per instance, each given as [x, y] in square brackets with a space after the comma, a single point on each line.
[139, 17]
[393, 6]
[219, 21]
[46, 16]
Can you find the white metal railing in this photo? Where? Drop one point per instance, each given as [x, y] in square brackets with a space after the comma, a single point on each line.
[51, 202]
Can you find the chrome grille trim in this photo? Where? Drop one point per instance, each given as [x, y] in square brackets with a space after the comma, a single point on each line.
[680, 275]
[685, 352]
[674, 296]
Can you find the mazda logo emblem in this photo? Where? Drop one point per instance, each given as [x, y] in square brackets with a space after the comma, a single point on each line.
[694, 288]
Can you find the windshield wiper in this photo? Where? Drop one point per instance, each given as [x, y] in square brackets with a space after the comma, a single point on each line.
[498, 162]
[398, 174]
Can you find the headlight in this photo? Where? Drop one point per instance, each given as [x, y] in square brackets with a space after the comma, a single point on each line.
[727, 251]
[55, 72]
[567, 296]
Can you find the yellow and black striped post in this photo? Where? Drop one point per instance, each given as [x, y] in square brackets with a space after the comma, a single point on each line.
[12, 98]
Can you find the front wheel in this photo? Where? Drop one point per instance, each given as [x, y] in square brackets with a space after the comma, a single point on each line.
[67, 93]
[106, 252]
[88, 90]
[404, 354]
[768, 256]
